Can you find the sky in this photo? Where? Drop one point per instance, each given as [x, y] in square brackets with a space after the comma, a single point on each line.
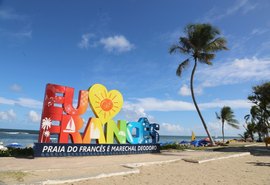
[124, 45]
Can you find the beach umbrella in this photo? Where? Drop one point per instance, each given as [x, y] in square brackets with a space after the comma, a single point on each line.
[14, 145]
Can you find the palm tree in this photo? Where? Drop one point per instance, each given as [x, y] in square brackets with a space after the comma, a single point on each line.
[261, 110]
[200, 43]
[256, 118]
[227, 116]
[250, 127]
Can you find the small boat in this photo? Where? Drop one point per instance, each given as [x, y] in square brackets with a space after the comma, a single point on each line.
[14, 145]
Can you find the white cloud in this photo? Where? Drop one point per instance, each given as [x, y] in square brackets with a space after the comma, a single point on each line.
[24, 102]
[7, 115]
[242, 6]
[85, 41]
[116, 44]
[23, 34]
[153, 104]
[235, 104]
[9, 14]
[134, 112]
[22, 28]
[171, 129]
[185, 90]
[259, 31]
[27, 102]
[16, 88]
[7, 101]
[33, 116]
[237, 71]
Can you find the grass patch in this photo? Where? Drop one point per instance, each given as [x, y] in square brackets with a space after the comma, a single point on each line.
[176, 146]
[17, 176]
[173, 146]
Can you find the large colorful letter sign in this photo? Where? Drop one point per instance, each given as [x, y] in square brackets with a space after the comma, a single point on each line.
[60, 118]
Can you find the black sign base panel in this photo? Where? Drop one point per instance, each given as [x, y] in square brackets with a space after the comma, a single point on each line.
[64, 150]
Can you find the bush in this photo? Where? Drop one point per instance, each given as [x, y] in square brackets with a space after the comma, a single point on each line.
[17, 152]
[174, 146]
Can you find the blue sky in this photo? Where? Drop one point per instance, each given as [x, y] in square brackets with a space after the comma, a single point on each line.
[124, 45]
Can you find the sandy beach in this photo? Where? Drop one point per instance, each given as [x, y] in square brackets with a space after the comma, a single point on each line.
[237, 165]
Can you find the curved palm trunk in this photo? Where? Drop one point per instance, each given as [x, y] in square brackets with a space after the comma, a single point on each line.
[195, 103]
[223, 130]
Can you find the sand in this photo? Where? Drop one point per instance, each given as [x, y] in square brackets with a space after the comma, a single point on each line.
[244, 170]
[165, 168]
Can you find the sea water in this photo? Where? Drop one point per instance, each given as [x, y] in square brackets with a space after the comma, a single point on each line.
[29, 137]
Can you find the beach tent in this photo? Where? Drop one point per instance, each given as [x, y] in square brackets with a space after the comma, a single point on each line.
[198, 143]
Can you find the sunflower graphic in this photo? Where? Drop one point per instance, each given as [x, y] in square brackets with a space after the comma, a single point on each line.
[104, 104]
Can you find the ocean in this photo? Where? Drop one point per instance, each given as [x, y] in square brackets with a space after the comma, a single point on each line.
[28, 137]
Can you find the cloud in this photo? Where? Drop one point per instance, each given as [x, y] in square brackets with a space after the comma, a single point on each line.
[16, 88]
[9, 14]
[237, 71]
[113, 44]
[215, 14]
[85, 41]
[23, 34]
[185, 90]
[7, 115]
[235, 104]
[153, 104]
[20, 30]
[134, 112]
[24, 102]
[241, 5]
[263, 48]
[33, 116]
[215, 129]
[171, 129]
[116, 44]
[259, 31]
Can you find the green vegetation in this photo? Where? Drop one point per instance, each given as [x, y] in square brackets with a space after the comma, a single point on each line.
[176, 146]
[17, 152]
[258, 120]
[227, 116]
[200, 44]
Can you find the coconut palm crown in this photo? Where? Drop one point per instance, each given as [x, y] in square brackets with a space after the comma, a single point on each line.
[227, 116]
[200, 43]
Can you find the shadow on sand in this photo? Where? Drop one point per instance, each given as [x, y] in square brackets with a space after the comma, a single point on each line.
[254, 150]
[259, 163]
